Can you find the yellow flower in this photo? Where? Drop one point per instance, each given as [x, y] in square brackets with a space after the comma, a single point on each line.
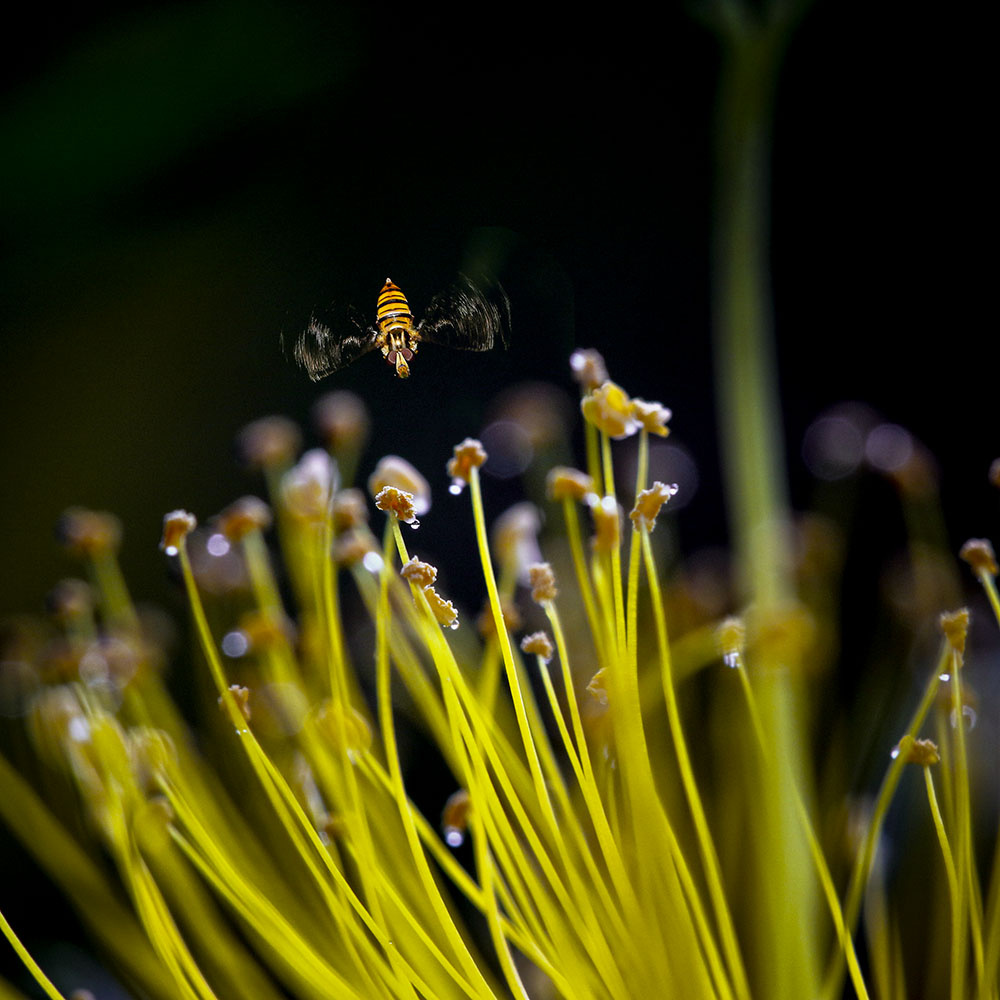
[421, 574]
[468, 455]
[955, 626]
[607, 524]
[648, 504]
[609, 409]
[979, 554]
[395, 471]
[543, 582]
[444, 611]
[539, 644]
[177, 525]
[399, 503]
[588, 368]
[652, 416]
[564, 483]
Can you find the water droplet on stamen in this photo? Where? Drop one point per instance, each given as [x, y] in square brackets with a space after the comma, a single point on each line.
[895, 753]
[731, 660]
[453, 837]
[171, 550]
[457, 485]
[372, 562]
[969, 714]
[944, 677]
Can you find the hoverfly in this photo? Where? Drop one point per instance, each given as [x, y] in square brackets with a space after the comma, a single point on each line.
[464, 316]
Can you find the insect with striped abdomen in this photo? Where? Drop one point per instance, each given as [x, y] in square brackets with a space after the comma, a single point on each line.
[469, 315]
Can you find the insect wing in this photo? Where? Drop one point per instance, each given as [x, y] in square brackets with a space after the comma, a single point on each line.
[468, 315]
[323, 349]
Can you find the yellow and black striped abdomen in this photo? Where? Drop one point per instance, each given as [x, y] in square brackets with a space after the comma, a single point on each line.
[393, 311]
[467, 315]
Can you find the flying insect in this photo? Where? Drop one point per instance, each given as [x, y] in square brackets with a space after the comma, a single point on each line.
[468, 315]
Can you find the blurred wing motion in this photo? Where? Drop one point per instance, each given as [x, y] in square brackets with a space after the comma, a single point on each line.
[322, 350]
[467, 315]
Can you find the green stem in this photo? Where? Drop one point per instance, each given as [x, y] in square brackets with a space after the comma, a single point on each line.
[33, 967]
[706, 846]
[744, 354]
[753, 449]
[957, 953]
[866, 852]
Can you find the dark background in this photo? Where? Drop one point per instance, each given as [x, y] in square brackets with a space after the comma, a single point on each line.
[180, 183]
[183, 182]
